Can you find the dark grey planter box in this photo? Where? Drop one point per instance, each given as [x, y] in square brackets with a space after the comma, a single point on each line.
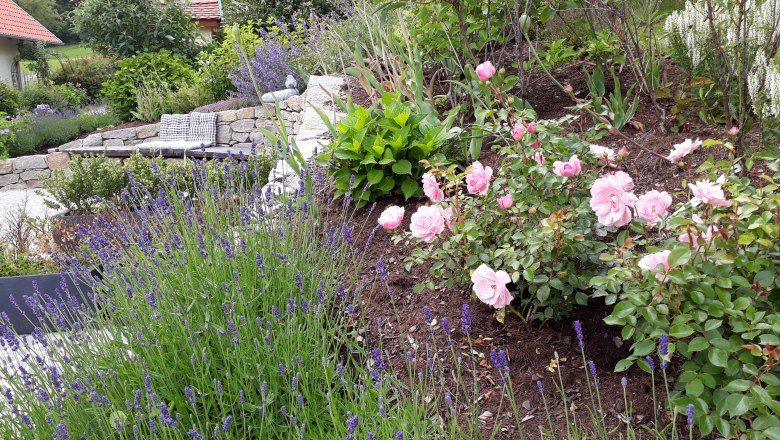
[48, 284]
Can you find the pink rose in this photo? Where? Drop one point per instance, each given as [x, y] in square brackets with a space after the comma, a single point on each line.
[683, 149]
[518, 131]
[505, 202]
[568, 88]
[651, 206]
[532, 128]
[490, 286]
[446, 214]
[391, 217]
[625, 180]
[705, 191]
[610, 201]
[733, 131]
[604, 154]
[431, 188]
[478, 178]
[705, 236]
[427, 223]
[539, 158]
[536, 144]
[623, 152]
[567, 169]
[485, 71]
[651, 262]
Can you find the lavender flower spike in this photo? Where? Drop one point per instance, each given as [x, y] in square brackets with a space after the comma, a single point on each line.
[691, 414]
[578, 331]
[465, 319]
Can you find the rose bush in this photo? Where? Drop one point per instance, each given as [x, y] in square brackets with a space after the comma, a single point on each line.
[709, 280]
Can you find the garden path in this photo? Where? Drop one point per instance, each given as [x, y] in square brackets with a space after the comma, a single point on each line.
[15, 201]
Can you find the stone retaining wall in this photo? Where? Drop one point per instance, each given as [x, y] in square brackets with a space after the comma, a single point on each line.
[26, 171]
[234, 128]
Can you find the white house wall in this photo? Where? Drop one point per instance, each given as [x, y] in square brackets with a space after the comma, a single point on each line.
[8, 52]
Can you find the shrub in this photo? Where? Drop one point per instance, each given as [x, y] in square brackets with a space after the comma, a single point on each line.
[19, 265]
[713, 288]
[57, 97]
[46, 128]
[124, 28]
[377, 150]
[155, 100]
[285, 11]
[215, 65]
[161, 68]
[9, 99]
[89, 74]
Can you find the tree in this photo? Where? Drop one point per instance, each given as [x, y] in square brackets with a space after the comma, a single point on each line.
[126, 27]
[45, 11]
[241, 11]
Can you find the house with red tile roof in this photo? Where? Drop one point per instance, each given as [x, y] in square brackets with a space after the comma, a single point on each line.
[17, 26]
[207, 15]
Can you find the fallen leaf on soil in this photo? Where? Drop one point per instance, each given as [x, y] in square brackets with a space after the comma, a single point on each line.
[553, 365]
[485, 415]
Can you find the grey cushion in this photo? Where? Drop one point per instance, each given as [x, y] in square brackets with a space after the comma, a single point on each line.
[203, 127]
[174, 127]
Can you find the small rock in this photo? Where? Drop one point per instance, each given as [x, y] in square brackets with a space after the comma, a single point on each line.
[6, 166]
[93, 140]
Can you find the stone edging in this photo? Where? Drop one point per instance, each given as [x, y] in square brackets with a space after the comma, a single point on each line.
[27, 171]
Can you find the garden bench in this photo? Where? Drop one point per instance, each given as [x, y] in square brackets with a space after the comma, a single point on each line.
[181, 133]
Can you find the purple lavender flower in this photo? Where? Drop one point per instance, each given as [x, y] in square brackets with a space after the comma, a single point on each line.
[663, 348]
[352, 422]
[448, 400]
[428, 315]
[62, 432]
[650, 363]
[578, 331]
[445, 325]
[691, 414]
[282, 369]
[539, 386]
[378, 362]
[465, 319]
[226, 423]
[195, 435]
[624, 382]
[399, 435]
[592, 369]
[190, 395]
[380, 269]
[340, 370]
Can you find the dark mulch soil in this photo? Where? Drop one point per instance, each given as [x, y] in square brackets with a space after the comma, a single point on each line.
[531, 347]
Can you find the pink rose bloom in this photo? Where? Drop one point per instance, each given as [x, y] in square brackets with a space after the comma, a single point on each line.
[681, 150]
[427, 223]
[567, 169]
[652, 261]
[705, 191]
[446, 214]
[518, 131]
[623, 152]
[651, 206]
[536, 144]
[705, 236]
[604, 154]
[539, 158]
[733, 131]
[391, 217]
[532, 128]
[625, 180]
[478, 178]
[610, 201]
[485, 71]
[490, 286]
[505, 202]
[431, 188]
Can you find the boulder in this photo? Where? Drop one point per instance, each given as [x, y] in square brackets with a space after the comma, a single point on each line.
[6, 166]
[240, 137]
[93, 140]
[9, 179]
[147, 131]
[261, 112]
[125, 133]
[226, 116]
[35, 175]
[58, 161]
[78, 143]
[245, 113]
[113, 143]
[37, 162]
[223, 134]
[243, 125]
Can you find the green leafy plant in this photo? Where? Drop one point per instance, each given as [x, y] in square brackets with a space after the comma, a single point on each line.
[58, 97]
[90, 180]
[379, 148]
[160, 68]
[86, 73]
[616, 108]
[9, 99]
[717, 301]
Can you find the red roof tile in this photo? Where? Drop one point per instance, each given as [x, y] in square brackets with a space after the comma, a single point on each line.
[17, 24]
[205, 9]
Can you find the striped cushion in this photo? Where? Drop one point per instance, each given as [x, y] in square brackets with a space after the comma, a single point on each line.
[174, 127]
[203, 128]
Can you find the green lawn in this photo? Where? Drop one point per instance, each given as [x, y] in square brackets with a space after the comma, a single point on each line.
[66, 51]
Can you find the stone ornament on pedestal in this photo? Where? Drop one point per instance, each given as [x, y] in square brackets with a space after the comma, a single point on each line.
[281, 95]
